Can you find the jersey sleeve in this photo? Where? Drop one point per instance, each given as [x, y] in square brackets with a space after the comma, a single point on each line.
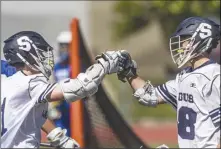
[212, 92]
[39, 88]
[168, 92]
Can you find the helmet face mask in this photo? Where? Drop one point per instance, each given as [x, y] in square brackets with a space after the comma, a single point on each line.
[182, 49]
[193, 37]
[45, 61]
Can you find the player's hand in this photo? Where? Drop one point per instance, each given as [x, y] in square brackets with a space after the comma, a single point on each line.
[128, 67]
[112, 61]
[70, 143]
[57, 137]
[163, 146]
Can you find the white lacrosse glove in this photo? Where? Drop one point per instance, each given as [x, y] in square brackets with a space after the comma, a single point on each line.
[111, 61]
[163, 146]
[57, 138]
[146, 95]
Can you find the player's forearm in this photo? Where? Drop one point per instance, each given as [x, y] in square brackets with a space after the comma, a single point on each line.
[85, 85]
[136, 83]
[56, 94]
[48, 126]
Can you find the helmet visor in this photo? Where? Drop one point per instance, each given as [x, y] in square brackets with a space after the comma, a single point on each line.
[180, 49]
[47, 60]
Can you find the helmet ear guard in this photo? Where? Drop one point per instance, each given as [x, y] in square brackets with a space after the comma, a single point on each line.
[214, 43]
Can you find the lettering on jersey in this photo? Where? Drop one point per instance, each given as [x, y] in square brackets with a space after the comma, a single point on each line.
[186, 120]
[186, 97]
[45, 114]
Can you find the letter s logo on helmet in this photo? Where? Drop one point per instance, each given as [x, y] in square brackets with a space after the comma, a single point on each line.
[24, 43]
[205, 30]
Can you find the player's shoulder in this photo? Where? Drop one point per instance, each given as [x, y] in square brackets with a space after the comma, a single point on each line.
[211, 71]
[22, 80]
[208, 70]
[212, 84]
[203, 74]
[21, 76]
[37, 79]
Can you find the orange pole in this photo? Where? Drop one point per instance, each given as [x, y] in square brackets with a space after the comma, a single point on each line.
[76, 109]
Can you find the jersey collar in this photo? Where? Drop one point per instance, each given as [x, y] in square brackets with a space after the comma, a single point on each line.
[190, 69]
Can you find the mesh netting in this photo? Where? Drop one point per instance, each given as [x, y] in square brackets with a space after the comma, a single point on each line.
[104, 127]
[101, 130]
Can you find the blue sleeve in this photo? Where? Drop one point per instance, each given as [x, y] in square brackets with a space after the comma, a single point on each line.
[6, 69]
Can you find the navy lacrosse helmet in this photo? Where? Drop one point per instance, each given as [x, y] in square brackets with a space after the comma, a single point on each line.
[193, 37]
[30, 48]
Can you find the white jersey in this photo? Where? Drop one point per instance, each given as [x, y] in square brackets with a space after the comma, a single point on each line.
[3, 76]
[23, 110]
[196, 97]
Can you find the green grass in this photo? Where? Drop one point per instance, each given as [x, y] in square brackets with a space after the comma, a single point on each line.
[164, 111]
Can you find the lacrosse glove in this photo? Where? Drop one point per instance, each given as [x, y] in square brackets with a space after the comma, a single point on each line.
[111, 61]
[57, 138]
[128, 67]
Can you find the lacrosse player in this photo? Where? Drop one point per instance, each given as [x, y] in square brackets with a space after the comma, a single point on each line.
[195, 92]
[25, 95]
[48, 127]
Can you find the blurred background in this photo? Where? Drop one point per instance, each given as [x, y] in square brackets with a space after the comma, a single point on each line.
[141, 27]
